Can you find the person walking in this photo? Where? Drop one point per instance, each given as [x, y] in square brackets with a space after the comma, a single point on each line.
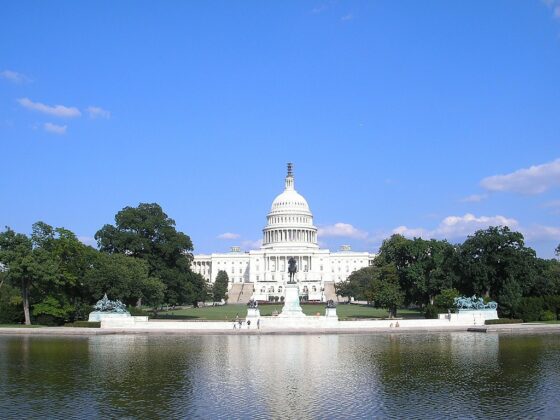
[258, 324]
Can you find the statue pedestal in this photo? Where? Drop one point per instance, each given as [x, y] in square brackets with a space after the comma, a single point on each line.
[99, 316]
[291, 303]
[253, 313]
[331, 313]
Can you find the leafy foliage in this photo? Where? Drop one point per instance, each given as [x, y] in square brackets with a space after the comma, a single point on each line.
[147, 233]
[220, 287]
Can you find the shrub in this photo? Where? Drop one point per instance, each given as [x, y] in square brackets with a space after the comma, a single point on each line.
[84, 324]
[431, 311]
[503, 321]
[548, 316]
[48, 320]
[50, 311]
[530, 309]
[446, 299]
[135, 311]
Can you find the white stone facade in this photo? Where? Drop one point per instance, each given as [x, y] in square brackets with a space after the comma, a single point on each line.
[289, 232]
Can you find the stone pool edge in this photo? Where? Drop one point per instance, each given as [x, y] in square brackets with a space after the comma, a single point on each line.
[76, 331]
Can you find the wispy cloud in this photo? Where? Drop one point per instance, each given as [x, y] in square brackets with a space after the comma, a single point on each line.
[249, 245]
[14, 76]
[343, 230]
[88, 240]
[474, 198]
[536, 232]
[97, 112]
[228, 235]
[347, 17]
[554, 5]
[533, 180]
[56, 110]
[457, 226]
[55, 129]
[322, 7]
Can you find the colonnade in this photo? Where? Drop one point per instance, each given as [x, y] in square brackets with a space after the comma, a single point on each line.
[290, 235]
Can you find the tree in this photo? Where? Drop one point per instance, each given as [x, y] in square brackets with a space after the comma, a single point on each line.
[384, 289]
[28, 266]
[220, 287]
[147, 233]
[424, 266]
[124, 278]
[495, 263]
[357, 283]
[446, 299]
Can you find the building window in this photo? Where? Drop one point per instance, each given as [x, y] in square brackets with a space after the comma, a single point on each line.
[240, 271]
[257, 278]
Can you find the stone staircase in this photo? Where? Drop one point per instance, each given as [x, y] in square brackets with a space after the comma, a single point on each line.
[329, 292]
[240, 293]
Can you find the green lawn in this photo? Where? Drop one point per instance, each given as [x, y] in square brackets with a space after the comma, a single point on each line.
[18, 326]
[228, 312]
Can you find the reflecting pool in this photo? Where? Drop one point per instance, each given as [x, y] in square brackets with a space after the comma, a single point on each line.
[466, 375]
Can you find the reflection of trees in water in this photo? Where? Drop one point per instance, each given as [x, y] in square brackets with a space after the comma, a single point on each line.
[457, 374]
[142, 376]
[44, 374]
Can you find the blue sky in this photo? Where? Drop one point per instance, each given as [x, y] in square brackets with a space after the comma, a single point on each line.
[431, 119]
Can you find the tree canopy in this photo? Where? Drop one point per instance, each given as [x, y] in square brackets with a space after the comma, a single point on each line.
[147, 233]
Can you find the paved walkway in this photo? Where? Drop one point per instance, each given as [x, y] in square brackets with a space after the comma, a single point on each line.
[71, 331]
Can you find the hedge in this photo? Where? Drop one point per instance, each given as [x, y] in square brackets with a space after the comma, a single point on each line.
[84, 324]
[503, 321]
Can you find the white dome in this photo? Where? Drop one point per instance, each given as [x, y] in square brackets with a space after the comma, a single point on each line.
[290, 201]
[290, 221]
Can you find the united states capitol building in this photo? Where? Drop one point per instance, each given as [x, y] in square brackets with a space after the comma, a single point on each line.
[262, 274]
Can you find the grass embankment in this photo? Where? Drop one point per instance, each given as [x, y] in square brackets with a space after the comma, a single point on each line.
[19, 326]
[229, 312]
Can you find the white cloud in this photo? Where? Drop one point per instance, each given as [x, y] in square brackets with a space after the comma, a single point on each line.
[56, 110]
[97, 112]
[457, 226]
[248, 245]
[228, 235]
[88, 240]
[533, 180]
[541, 232]
[56, 129]
[347, 17]
[474, 198]
[14, 76]
[555, 6]
[341, 229]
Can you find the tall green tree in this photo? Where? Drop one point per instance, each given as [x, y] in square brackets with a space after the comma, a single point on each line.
[424, 266]
[27, 266]
[147, 233]
[124, 278]
[384, 288]
[220, 287]
[357, 284]
[495, 263]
